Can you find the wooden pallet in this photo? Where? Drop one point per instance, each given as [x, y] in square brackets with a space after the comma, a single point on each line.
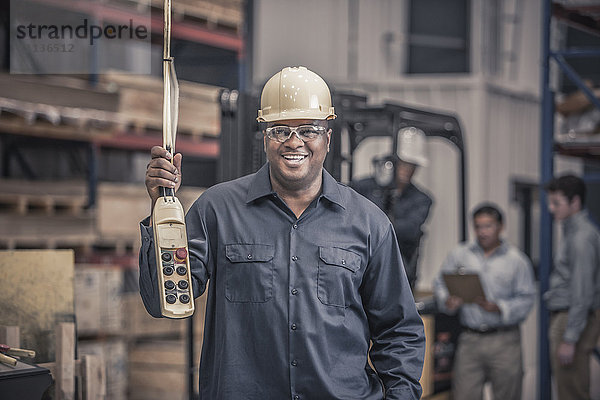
[215, 13]
[23, 197]
[53, 215]
[141, 98]
[42, 204]
[121, 207]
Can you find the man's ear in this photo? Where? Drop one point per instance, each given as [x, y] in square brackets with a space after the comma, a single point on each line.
[328, 139]
[576, 202]
[264, 142]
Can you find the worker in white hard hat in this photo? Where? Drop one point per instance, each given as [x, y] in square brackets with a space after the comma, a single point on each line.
[303, 272]
[392, 189]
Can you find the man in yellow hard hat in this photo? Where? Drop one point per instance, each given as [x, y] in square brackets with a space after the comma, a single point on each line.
[303, 272]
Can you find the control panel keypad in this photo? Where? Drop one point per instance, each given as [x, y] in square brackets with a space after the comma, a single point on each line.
[174, 271]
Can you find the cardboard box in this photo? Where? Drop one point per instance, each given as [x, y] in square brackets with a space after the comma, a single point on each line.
[98, 299]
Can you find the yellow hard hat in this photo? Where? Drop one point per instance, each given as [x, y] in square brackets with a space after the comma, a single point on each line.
[295, 93]
[411, 146]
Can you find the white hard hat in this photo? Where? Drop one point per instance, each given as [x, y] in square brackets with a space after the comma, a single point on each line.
[295, 93]
[411, 146]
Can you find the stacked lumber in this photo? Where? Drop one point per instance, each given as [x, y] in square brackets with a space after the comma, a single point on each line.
[157, 370]
[139, 324]
[144, 356]
[223, 15]
[60, 107]
[157, 358]
[53, 214]
[70, 108]
[141, 98]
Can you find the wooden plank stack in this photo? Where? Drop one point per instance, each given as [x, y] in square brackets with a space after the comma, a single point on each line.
[70, 108]
[140, 104]
[53, 214]
[157, 367]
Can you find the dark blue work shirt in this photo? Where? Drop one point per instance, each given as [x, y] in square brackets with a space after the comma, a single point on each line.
[294, 302]
[408, 212]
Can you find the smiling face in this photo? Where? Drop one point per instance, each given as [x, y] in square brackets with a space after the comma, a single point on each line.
[295, 164]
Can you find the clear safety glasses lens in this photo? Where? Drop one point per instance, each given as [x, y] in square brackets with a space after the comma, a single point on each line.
[305, 133]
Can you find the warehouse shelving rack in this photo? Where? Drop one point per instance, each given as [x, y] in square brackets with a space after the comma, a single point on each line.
[585, 17]
[205, 22]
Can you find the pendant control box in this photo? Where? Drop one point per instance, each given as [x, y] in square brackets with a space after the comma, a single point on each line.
[172, 258]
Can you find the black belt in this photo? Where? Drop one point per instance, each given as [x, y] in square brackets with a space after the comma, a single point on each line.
[555, 312]
[566, 310]
[495, 329]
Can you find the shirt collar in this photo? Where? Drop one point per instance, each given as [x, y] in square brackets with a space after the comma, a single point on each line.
[261, 187]
[331, 190]
[574, 220]
[503, 248]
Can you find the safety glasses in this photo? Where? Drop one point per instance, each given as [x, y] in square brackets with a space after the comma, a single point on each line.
[306, 133]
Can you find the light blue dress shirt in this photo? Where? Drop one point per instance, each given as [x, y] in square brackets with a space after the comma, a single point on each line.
[575, 279]
[507, 280]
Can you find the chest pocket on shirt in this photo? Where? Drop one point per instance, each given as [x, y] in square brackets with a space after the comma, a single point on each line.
[249, 272]
[334, 278]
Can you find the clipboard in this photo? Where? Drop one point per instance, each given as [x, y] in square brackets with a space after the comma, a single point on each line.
[466, 286]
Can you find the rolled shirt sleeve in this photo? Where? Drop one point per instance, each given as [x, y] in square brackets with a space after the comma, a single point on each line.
[514, 309]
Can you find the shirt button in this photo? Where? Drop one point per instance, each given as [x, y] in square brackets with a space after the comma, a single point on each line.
[294, 291]
[295, 226]
[294, 258]
[294, 363]
[296, 397]
[249, 256]
[343, 262]
[294, 327]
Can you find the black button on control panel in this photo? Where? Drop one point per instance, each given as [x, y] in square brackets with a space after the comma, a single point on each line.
[171, 299]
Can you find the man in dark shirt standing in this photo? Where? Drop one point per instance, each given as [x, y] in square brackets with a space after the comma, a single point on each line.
[406, 205]
[574, 295]
[303, 272]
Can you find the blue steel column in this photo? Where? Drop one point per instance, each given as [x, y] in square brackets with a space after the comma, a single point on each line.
[546, 172]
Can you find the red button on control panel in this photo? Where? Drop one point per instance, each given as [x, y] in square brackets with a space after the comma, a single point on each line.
[181, 254]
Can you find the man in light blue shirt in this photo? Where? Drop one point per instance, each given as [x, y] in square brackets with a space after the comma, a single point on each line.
[574, 294]
[489, 348]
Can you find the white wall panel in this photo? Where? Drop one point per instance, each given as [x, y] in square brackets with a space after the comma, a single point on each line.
[312, 33]
[382, 27]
